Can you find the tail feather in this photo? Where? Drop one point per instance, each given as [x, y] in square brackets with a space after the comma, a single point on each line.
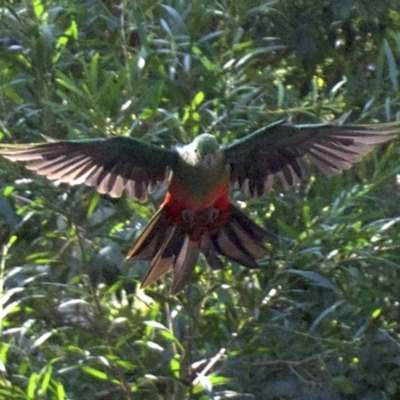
[229, 246]
[254, 231]
[151, 239]
[254, 248]
[240, 240]
[156, 271]
[184, 264]
[168, 245]
[208, 249]
[160, 263]
[175, 244]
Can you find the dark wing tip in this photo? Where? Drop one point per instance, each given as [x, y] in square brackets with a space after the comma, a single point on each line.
[278, 151]
[113, 166]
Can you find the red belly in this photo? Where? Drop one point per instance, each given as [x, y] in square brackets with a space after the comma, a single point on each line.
[178, 200]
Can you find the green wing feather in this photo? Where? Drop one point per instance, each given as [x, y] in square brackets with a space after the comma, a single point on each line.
[113, 166]
[278, 151]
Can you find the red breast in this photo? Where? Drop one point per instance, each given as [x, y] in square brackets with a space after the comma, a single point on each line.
[178, 199]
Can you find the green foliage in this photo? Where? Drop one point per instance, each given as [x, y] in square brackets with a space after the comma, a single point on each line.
[319, 320]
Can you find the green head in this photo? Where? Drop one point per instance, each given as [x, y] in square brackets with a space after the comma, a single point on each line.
[203, 151]
[206, 144]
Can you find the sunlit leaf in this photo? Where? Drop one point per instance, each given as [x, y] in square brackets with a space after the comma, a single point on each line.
[39, 341]
[38, 8]
[95, 372]
[46, 379]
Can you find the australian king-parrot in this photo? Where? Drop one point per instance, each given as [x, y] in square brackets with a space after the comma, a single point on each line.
[197, 214]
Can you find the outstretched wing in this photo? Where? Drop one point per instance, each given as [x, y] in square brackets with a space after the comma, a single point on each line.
[113, 166]
[279, 150]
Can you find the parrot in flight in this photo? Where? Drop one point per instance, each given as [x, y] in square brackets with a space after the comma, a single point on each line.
[197, 214]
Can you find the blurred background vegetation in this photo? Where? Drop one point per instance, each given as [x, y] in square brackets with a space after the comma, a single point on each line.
[319, 319]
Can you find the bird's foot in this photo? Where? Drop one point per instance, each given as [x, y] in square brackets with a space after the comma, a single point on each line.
[206, 219]
[212, 214]
[188, 216]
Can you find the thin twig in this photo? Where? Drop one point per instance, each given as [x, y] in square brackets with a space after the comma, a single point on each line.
[208, 367]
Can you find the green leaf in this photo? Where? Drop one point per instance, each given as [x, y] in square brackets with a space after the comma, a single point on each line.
[32, 385]
[393, 71]
[40, 340]
[38, 8]
[95, 372]
[198, 99]
[8, 212]
[46, 379]
[312, 276]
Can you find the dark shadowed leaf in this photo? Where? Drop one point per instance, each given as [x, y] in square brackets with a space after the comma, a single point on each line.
[312, 276]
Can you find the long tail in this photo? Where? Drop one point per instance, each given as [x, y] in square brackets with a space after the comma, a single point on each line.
[239, 239]
[167, 246]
